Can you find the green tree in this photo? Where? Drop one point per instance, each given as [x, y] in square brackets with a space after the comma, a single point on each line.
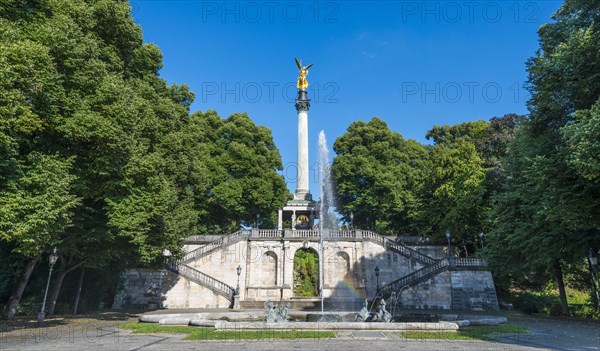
[543, 218]
[583, 140]
[448, 135]
[306, 273]
[377, 175]
[230, 166]
[454, 193]
[462, 174]
[35, 210]
[79, 85]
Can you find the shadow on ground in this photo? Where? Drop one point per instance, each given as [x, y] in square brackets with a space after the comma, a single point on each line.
[30, 322]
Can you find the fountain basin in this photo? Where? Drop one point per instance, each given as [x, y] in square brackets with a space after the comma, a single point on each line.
[335, 326]
[329, 317]
[225, 315]
[254, 320]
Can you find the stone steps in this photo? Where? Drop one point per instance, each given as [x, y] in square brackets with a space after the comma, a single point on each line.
[296, 304]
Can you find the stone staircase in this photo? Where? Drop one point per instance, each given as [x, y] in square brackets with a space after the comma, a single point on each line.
[181, 268]
[307, 304]
[194, 275]
[216, 245]
[432, 266]
[431, 271]
[398, 248]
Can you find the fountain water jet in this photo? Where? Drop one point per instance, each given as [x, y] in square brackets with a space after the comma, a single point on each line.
[325, 216]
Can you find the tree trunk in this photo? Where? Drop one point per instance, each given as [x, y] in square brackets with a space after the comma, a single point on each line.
[15, 297]
[58, 280]
[60, 276]
[79, 285]
[561, 288]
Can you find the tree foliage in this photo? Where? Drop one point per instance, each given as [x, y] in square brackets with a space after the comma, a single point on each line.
[398, 186]
[378, 175]
[100, 158]
[546, 216]
[306, 273]
[454, 192]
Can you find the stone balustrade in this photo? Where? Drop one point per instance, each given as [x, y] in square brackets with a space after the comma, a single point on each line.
[468, 262]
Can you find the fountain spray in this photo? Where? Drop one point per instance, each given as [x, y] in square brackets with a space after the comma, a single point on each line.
[325, 203]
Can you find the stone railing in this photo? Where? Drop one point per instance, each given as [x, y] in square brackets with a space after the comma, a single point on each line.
[461, 262]
[265, 234]
[311, 235]
[408, 252]
[340, 234]
[432, 270]
[202, 238]
[414, 240]
[202, 251]
[215, 245]
[416, 277]
[316, 234]
[301, 234]
[372, 236]
[203, 279]
[398, 247]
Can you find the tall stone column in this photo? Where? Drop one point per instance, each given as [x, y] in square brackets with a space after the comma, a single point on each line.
[280, 219]
[302, 106]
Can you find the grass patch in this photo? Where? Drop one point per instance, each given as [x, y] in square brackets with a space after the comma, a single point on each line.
[547, 302]
[470, 333]
[197, 333]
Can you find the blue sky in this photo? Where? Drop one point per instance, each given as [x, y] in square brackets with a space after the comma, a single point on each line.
[414, 64]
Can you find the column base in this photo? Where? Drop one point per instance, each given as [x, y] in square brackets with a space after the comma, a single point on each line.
[303, 195]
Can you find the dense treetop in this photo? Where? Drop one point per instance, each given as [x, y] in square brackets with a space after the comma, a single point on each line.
[100, 157]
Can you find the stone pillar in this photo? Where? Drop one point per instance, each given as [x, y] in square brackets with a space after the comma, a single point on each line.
[282, 269]
[236, 301]
[294, 220]
[280, 219]
[288, 271]
[302, 106]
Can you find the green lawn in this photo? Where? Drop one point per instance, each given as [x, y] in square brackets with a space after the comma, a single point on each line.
[196, 333]
[470, 333]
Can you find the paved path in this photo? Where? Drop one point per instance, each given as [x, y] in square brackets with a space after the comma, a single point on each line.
[92, 334]
[556, 334]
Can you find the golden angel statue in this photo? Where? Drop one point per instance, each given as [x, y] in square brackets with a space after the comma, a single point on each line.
[302, 82]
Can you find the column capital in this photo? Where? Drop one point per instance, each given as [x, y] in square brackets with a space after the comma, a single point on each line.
[302, 105]
[302, 102]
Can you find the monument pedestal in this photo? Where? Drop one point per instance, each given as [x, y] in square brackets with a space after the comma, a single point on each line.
[302, 214]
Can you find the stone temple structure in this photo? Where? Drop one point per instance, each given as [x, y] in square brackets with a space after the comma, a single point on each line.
[246, 268]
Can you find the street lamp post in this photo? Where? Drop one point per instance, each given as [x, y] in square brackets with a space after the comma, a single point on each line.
[377, 276]
[52, 261]
[593, 261]
[257, 219]
[239, 271]
[352, 220]
[481, 238]
[448, 235]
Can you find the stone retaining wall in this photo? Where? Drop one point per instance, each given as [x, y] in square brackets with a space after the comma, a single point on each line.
[268, 273]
